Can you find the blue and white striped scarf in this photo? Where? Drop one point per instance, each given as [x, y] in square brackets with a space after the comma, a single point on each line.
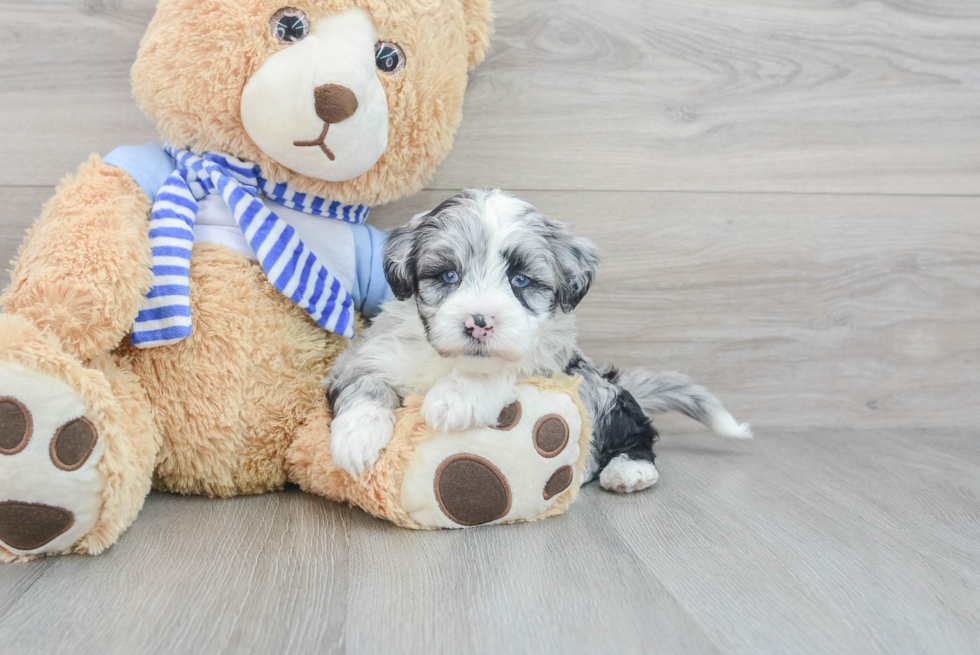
[289, 264]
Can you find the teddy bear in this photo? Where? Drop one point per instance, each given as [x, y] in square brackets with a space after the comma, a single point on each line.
[174, 309]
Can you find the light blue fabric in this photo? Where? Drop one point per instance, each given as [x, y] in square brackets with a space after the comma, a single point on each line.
[150, 166]
[147, 164]
[371, 289]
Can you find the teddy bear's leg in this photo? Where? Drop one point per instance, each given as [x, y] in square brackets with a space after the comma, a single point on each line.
[527, 466]
[308, 460]
[309, 463]
[77, 446]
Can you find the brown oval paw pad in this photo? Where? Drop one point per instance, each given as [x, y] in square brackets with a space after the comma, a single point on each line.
[509, 417]
[27, 526]
[16, 426]
[550, 435]
[470, 490]
[558, 482]
[73, 443]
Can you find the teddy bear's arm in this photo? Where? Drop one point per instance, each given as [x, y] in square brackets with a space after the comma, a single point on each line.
[84, 267]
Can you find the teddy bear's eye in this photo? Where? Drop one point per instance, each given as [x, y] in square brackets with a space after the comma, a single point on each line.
[389, 58]
[289, 25]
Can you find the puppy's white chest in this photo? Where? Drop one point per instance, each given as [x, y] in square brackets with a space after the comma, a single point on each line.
[430, 369]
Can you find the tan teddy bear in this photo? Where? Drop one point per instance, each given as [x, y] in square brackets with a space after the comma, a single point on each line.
[172, 312]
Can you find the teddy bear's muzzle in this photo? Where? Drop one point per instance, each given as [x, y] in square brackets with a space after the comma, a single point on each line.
[334, 103]
[327, 82]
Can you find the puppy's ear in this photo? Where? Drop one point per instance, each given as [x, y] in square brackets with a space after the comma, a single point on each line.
[400, 250]
[576, 263]
[399, 261]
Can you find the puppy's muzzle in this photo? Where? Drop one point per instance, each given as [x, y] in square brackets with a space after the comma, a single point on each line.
[479, 327]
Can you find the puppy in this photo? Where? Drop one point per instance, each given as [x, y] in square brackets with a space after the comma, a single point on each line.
[485, 288]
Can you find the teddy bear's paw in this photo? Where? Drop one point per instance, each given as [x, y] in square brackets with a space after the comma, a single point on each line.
[624, 475]
[50, 484]
[357, 436]
[513, 471]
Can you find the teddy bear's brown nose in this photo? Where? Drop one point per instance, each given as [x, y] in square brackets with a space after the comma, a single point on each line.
[334, 103]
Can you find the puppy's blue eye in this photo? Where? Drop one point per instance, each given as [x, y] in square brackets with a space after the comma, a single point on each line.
[450, 277]
[520, 281]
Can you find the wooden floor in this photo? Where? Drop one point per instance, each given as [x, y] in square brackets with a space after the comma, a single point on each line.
[788, 199]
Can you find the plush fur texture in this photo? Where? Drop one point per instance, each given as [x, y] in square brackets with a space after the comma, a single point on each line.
[254, 349]
[479, 21]
[485, 290]
[118, 408]
[214, 414]
[197, 56]
[84, 267]
[377, 490]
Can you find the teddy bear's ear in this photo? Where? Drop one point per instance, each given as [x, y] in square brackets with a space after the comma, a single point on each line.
[478, 29]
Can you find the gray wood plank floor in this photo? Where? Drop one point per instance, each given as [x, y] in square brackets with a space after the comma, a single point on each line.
[788, 199]
[810, 542]
[697, 95]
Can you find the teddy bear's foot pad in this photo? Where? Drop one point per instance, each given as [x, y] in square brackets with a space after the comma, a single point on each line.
[50, 484]
[511, 472]
[470, 490]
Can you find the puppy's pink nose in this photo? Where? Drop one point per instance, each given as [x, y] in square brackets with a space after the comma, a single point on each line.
[479, 326]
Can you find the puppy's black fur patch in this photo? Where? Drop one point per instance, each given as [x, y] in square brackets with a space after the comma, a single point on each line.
[619, 424]
[623, 429]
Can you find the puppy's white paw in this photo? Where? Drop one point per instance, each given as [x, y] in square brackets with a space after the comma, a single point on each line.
[452, 406]
[357, 436]
[624, 475]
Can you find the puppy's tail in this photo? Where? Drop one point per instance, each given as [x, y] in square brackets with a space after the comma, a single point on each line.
[659, 392]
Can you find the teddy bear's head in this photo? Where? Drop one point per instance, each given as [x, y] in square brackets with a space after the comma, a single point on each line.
[356, 100]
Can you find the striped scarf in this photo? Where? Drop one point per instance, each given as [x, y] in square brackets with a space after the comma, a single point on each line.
[289, 264]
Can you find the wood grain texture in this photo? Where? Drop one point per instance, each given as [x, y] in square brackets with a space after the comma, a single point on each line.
[727, 96]
[821, 96]
[812, 542]
[686, 138]
[65, 84]
[799, 311]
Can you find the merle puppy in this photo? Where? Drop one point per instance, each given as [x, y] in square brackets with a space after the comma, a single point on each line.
[484, 291]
